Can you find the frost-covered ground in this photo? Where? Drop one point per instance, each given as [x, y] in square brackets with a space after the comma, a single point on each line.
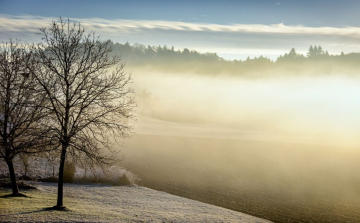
[90, 203]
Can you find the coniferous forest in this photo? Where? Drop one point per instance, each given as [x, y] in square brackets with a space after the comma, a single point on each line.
[317, 61]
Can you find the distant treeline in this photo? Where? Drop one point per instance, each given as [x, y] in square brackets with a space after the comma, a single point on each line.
[164, 58]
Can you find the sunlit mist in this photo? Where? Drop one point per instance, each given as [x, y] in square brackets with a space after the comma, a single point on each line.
[247, 111]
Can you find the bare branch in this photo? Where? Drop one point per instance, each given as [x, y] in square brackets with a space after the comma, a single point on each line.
[89, 94]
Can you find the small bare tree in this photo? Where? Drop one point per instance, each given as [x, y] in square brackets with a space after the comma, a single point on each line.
[22, 107]
[88, 91]
[25, 161]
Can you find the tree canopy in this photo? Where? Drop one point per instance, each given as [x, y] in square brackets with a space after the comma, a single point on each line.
[88, 92]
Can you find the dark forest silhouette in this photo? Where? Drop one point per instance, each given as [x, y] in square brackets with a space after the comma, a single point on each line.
[164, 58]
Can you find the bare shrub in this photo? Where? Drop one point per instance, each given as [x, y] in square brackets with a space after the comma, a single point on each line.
[114, 175]
[69, 172]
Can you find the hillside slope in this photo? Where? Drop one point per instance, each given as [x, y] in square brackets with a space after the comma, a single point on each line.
[92, 203]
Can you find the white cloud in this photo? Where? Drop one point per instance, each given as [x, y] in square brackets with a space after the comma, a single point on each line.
[205, 36]
[17, 23]
[202, 27]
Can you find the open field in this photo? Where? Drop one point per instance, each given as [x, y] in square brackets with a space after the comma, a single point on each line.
[91, 203]
[180, 111]
[264, 176]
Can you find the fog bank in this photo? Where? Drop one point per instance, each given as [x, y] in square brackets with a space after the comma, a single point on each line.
[320, 109]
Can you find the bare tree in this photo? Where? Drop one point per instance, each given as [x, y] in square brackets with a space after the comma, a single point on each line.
[22, 107]
[88, 91]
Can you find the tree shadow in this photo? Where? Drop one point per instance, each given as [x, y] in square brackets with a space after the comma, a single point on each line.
[56, 208]
[14, 195]
[40, 210]
[26, 212]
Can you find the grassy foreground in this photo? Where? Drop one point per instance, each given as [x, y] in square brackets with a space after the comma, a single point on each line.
[33, 208]
[93, 203]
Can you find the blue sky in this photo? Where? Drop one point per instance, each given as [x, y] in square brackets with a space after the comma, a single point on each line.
[234, 44]
[290, 12]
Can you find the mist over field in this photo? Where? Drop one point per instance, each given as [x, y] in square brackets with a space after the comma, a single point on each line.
[278, 147]
[323, 109]
[252, 106]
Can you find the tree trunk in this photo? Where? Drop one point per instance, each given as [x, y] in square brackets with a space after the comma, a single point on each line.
[61, 177]
[14, 185]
